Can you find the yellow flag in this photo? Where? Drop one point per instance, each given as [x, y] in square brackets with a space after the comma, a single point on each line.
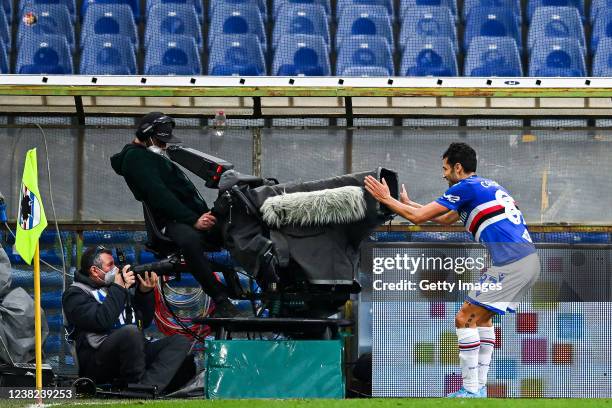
[31, 220]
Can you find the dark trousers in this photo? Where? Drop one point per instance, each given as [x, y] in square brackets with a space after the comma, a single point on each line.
[194, 243]
[125, 355]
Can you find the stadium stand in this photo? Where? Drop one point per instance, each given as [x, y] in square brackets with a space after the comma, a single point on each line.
[410, 4]
[108, 55]
[109, 19]
[602, 62]
[428, 21]
[172, 19]
[229, 18]
[196, 4]
[514, 5]
[173, 55]
[70, 4]
[238, 54]
[49, 19]
[533, 5]
[278, 4]
[307, 19]
[261, 4]
[556, 22]
[367, 52]
[5, 33]
[44, 54]
[493, 56]
[341, 5]
[300, 54]
[364, 21]
[4, 62]
[597, 6]
[134, 5]
[491, 22]
[602, 28]
[429, 57]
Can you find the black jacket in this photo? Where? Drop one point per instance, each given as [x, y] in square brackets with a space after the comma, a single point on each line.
[85, 314]
[160, 183]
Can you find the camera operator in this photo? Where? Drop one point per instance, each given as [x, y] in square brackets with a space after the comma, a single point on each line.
[106, 322]
[175, 202]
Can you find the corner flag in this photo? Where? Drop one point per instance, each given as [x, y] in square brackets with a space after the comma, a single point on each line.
[31, 220]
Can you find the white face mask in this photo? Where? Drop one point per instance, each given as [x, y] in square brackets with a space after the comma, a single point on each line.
[109, 277]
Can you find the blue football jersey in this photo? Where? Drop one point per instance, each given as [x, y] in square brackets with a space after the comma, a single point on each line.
[491, 215]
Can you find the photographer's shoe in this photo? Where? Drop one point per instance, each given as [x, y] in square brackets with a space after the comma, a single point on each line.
[225, 308]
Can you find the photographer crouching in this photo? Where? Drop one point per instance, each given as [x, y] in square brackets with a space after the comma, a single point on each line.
[107, 319]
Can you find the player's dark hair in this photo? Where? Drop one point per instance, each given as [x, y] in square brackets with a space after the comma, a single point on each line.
[461, 153]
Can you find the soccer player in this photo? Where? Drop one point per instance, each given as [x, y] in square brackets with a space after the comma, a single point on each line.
[489, 212]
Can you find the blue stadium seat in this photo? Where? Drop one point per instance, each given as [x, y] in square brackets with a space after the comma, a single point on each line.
[196, 4]
[5, 31]
[429, 57]
[4, 65]
[491, 22]
[602, 28]
[261, 4]
[50, 19]
[556, 22]
[109, 19]
[364, 20]
[557, 57]
[514, 5]
[364, 51]
[7, 7]
[68, 3]
[173, 55]
[343, 4]
[108, 55]
[493, 56]
[44, 54]
[533, 5]
[597, 6]
[172, 19]
[602, 61]
[428, 21]
[309, 19]
[406, 5]
[278, 4]
[237, 19]
[366, 72]
[238, 54]
[134, 5]
[306, 55]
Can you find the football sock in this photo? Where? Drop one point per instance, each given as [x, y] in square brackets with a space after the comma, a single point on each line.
[469, 345]
[487, 342]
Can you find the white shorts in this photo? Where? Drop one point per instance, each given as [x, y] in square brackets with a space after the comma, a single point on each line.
[514, 281]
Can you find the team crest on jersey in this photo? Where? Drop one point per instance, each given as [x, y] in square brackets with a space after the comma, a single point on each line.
[29, 209]
[489, 183]
[452, 198]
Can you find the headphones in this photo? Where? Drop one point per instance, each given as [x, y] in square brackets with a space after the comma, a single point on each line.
[147, 129]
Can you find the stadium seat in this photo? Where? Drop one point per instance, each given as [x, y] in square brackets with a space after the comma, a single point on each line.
[237, 19]
[514, 5]
[428, 21]
[108, 55]
[49, 19]
[173, 55]
[491, 22]
[366, 72]
[533, 5]
[364, 20]
[44, 54]
[406, 5]
[261, 4]
[196, 4]
[557, 57]
[134, 5]
[493, 56]
[309, 19]
[278, 4]
[109, 19]
[429, 57]
[555, 22]
[5, 31]
[597, 6]
[4, 62]
[602, 28]
[238, 54]
[602, 61]
[7, 7]
[343, 4]
[68, 3]
[306, 55]
[364, 51]
[172, 19]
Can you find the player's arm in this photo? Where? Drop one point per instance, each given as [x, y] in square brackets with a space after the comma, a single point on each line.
[380, 191]
[449, 218]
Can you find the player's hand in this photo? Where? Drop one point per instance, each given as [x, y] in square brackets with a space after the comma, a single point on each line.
[205, 222]
[380, 191]
[128, 276]
[148, 283]
[404, 196]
